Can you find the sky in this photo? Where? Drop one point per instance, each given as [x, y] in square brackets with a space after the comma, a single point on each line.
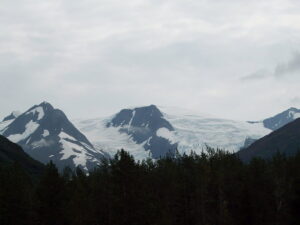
[234, 59]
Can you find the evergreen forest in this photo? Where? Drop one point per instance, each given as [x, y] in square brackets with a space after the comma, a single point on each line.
[214, 188]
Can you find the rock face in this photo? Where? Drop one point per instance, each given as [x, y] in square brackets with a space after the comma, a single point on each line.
[146, 126]
[285, 140]
[282, 119]
[13, 153]
[46, 134]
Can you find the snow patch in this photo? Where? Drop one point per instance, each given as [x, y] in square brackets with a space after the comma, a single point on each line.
[45, 133]
[74, 151]
[29, 129]
[294, 115]
[66, 136]
[148, 141]
[133, 114]
[166, 134]
[38, 110]
[28, 140]
[195, 132]
[110, 139]
[4, 125]
[41, 143]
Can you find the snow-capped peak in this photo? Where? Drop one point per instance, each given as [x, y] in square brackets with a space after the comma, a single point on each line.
[142, 125]
[282, 118]
[46, 133]
[294, 113]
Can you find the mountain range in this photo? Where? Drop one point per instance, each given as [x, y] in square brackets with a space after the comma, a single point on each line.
[45, 133]
[155, 131]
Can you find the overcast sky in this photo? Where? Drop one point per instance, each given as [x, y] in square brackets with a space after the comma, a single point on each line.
[231, 58]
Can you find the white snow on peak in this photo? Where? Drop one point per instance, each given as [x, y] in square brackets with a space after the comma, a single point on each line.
[293, 114]
[41, 143]
[167, 134]
[133, 114]
[296, 115]
[194, 132]
[69, 149]
[38, 110]
[109, 139]
[29, 129]
[45, 133]
[4, 125]
[66, 136]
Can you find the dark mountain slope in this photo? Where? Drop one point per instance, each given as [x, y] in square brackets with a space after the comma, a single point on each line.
[285, 140]
[13, 153]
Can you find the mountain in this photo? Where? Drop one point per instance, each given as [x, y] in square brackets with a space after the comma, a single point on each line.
[13, 153]
[142, 131]
[146, 126]
[284, 140]
[282, 119]
[154, 131]
[275, 122]
[46, 134]
[194, 130]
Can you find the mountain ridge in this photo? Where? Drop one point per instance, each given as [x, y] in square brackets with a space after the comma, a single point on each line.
[285, 140]
[145, 131]
[46, 133]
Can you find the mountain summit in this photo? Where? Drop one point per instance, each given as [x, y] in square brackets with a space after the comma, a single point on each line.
[282, 119]
[45, 133]
[146, 126]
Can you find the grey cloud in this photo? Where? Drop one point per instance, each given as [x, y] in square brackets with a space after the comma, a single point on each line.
[107, 54]
[295, 100]
[258, 75]
[290, 67]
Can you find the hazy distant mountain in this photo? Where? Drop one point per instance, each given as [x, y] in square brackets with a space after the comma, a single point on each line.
[285, 140]
[275, 122]
[282, 119]
[46, 134]
[13, 153]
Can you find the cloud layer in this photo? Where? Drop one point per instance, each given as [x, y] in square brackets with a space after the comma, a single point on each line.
[230, 58]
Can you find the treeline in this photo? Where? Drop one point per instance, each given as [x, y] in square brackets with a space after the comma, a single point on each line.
[207, 189]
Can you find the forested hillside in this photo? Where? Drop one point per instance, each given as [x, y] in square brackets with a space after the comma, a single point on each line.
[11, 153]
[214, 188]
